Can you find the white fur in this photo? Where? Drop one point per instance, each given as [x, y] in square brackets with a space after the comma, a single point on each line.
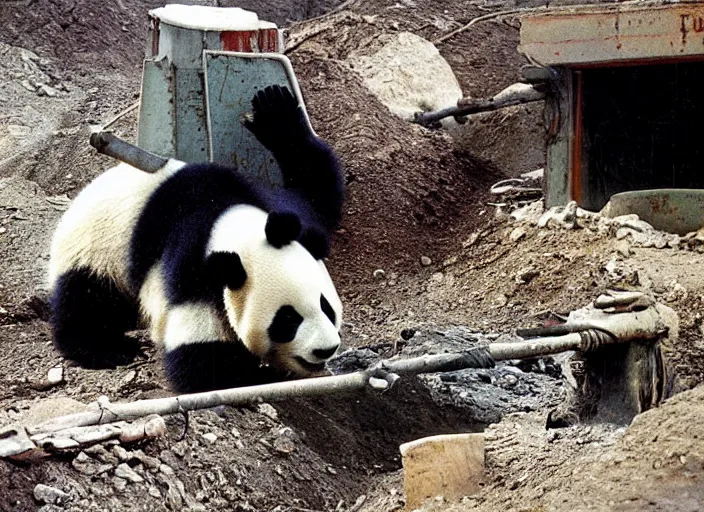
[189, 322]
[153, 304]
[275, 277]
[95, 230]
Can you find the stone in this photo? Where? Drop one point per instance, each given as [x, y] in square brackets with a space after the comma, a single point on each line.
[50, 508]
[119, 483]
[50, 495]
[526, 275]
[285, 443]
[268, 411]
[28, 86]
[209, 437]
[99, 452]
[86, 465]
[45, 90]
[451, 466]
[408, 75]
[55, 375]
[517, 234]
[425, 261]
[126, 472]
[149, 462]
[121, 453]
[378, 274]
[180, 448]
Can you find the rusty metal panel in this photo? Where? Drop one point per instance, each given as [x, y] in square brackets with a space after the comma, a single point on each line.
[618, 34]
[231, 80]
[156, 116]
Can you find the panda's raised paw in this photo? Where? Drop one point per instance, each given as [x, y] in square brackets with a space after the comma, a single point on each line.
[278, 121]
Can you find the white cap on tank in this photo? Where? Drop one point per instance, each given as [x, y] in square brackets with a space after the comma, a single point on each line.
[202, 17]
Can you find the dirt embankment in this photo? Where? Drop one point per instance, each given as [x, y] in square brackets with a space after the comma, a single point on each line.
[409, 195]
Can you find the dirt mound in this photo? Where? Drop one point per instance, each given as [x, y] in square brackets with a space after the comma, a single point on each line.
[407, 197]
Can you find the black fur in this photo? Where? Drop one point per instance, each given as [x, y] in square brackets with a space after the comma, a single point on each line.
[215, 365]
[316, 242]
[327, 308]
[308, 165]
[284, 325]
[282, 228]
[225, 267]
[89, 319]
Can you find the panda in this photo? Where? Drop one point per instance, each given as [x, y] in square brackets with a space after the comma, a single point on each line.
[226, 273]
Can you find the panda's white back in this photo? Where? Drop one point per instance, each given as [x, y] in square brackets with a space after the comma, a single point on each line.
[96, 229]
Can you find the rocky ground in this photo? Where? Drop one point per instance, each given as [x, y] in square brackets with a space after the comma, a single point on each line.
[419, 249]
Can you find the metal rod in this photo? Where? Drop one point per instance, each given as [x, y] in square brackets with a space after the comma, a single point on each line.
[108, 144]
[480, 357]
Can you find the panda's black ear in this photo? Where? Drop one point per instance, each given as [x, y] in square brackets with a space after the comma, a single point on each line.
[282, 228]
[226, 269]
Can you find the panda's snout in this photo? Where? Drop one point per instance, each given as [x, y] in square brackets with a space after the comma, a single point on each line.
[325, 353]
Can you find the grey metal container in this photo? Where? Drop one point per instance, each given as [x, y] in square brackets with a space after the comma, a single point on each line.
[203, 66]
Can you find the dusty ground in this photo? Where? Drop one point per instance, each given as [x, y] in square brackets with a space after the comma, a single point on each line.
[409, 197]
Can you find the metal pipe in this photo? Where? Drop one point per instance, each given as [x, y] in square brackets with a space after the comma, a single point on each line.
[108, 144]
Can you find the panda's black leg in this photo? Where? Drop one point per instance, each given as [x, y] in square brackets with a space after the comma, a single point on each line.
[89, 319]
[205, 366]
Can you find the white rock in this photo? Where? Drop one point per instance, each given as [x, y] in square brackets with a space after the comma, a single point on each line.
[28, 86]
[129, 377]
[121, 453]
[408, 75]
[126, 472]
[268, 411]
[209, 438]
[425, 261]
[378, 274]
[50, 495]
[45, 90]
[119, 483]
[55, 375]
[517, 234]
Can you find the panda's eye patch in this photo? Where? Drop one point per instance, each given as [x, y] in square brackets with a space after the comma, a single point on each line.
[285, 324]
[327, 308]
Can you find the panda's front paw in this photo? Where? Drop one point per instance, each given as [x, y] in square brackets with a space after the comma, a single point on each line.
[278, 121]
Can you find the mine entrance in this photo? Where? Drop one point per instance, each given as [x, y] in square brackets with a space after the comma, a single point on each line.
[640, 129]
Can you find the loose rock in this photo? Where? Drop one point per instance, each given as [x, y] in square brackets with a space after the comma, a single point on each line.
[50, 495]
[84, 464]
[517, 234]
[425, 261]
[55, 375]
[268, 411]
[126, 472]
[209, 438]
[121, 453]
[119, 483]
[286, 442]
[50, 508]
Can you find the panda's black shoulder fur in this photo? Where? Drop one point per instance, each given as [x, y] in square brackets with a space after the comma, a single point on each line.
[177, 219]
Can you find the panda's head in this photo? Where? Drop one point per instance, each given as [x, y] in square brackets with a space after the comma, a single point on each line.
[279, 299]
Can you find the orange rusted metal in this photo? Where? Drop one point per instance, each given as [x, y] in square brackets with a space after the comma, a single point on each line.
[261, 40]
[588, 35]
